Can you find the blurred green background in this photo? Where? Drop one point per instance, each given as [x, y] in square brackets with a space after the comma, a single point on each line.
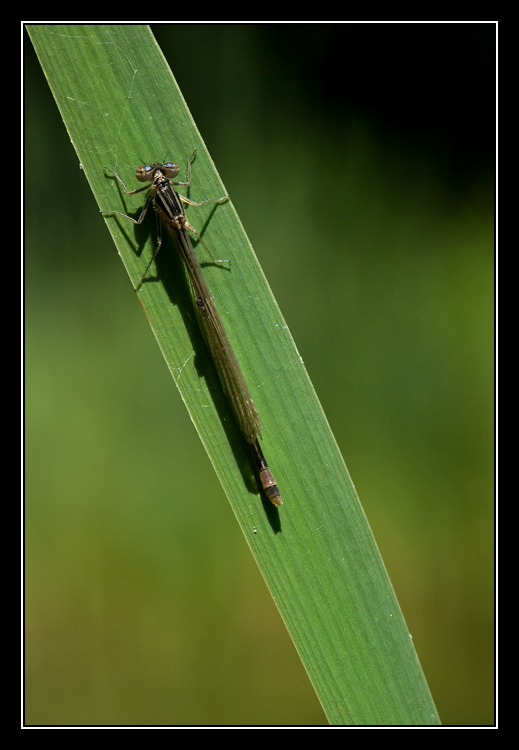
[360, 158]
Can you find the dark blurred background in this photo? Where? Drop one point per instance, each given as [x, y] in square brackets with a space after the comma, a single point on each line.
[360, 158]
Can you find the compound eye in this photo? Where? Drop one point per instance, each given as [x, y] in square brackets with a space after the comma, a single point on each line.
[144, 173]
[170, 170]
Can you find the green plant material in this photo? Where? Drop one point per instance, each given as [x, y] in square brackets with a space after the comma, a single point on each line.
[121, 106]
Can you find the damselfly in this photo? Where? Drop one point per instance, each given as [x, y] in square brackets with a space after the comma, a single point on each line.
[168, 206]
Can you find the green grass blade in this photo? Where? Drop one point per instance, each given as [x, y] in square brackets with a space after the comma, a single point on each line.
[121, 106]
